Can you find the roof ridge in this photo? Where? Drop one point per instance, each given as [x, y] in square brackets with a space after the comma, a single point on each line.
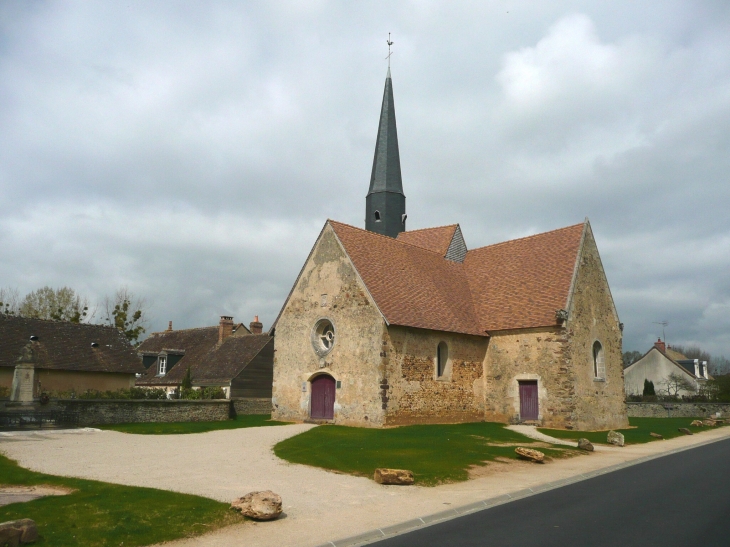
[183, 330]
[432, 228]
[388, 238]
[57, 321]
[525, 238]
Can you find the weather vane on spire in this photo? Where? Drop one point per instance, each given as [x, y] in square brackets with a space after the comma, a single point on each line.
[390, 43]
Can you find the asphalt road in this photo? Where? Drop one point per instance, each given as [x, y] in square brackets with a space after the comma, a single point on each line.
[680, 500]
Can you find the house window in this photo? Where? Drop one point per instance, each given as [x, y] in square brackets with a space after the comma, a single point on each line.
[599, 368]
[377, 216]
[162, 365]
[442, 357]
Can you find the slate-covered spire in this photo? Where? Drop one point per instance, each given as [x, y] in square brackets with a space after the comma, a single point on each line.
[385, 204]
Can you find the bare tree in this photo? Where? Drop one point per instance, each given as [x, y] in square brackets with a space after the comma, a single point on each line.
[9, 301]
[57, 304]
[127, 312]
[676, 382]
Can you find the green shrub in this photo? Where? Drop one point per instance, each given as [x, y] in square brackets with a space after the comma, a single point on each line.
[649, 387]
[212, 392]
[187, 381]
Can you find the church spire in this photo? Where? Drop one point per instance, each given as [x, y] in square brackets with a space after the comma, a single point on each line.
[385, 204]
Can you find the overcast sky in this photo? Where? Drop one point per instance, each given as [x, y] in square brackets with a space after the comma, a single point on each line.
[192, 151]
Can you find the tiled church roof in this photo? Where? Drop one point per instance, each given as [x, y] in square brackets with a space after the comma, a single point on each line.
[515, 284]
[522, 283]
[411, 286]
[433, 239]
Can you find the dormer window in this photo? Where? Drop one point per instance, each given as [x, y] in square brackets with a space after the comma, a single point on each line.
[162, 365]
[377, 216]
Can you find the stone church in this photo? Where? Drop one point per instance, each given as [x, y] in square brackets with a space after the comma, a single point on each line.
[388, 327]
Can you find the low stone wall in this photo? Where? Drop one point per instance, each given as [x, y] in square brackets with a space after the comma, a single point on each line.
[250, 406]
[677, 410]
[119, 411]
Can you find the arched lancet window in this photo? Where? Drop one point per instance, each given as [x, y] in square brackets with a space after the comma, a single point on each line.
[442, 356]
[377, 216]
[599, 368]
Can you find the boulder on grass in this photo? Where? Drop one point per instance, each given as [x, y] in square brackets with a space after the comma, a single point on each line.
[615, 438]
[709, 423]
[393, 476]
[697, 423]
[685, 431]
[18, 532]
[264, 505]
[656, 435]
[530, 454]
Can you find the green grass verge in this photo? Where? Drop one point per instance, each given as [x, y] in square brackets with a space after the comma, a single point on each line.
[435, 453]
[99, 514]
[638, 433]
[181, 428]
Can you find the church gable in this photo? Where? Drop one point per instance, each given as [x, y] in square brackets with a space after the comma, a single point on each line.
[327, 270]
[457, 247]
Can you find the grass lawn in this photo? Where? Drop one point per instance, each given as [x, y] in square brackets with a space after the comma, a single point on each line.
[435, 453]
[179, 428]
[99, 514]
[638, 433]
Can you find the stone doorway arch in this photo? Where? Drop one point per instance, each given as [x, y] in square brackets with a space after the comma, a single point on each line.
[322, 406]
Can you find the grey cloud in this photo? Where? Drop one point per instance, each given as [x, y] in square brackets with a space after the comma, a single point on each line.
[193, 151]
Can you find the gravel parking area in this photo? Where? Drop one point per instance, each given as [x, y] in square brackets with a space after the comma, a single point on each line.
[319, 506]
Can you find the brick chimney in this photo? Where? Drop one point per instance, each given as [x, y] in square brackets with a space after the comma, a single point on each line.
[225, 328]
[255, 326]
[661, 346]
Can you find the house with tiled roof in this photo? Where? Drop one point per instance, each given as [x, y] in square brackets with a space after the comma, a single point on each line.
[67, 356]
[664, 367]
[237, 359]
[385, 326]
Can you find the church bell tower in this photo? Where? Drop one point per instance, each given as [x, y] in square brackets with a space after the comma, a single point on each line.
[385, 204]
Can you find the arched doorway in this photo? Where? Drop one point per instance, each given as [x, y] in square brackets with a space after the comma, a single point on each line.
[323, 398]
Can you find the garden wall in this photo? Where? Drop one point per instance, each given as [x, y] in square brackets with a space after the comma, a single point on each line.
[677, 410]
[119, 411]
[250, 405]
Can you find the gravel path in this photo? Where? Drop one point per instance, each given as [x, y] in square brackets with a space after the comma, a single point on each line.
[320, 506]
[532, 432]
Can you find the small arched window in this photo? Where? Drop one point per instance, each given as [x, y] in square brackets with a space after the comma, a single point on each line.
[599, 368]
[163, 365]
[377, 216]
[442, 356]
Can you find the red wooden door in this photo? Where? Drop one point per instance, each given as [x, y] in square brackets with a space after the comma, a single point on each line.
[323, 398]
[528, 400]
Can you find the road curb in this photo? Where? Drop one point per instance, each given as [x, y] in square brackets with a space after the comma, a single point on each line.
[379, 534]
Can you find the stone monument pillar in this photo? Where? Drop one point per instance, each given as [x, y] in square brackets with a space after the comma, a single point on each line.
[24, 377]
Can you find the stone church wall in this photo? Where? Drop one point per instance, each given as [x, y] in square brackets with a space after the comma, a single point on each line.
[599, 402]
[530, 354]
[329, 288]
[413, 393]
